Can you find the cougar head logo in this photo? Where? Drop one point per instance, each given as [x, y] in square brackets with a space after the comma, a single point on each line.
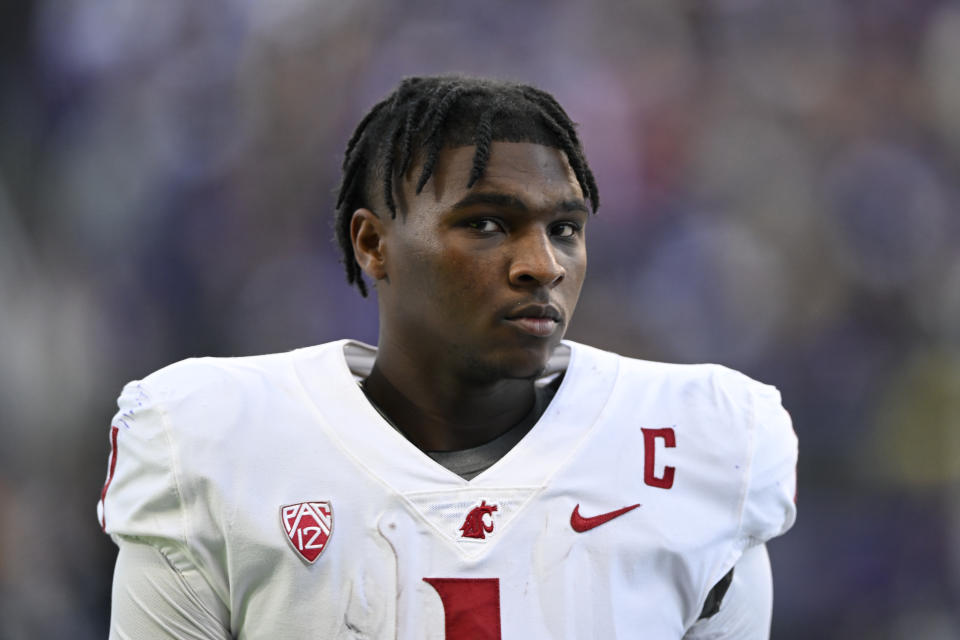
[474, 526]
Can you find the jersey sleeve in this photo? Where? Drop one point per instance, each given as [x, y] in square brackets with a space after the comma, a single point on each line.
[769, 506]
[141, 496]
[159, 576]
[761, 491]
[152, 599]
[746, 609]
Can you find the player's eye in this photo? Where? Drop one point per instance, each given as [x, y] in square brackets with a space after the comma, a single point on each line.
[484, 225]
[565, 229]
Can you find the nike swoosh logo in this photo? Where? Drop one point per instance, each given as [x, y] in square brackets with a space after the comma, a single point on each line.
[581, 524]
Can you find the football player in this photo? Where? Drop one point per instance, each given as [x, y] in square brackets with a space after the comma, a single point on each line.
[474, 476]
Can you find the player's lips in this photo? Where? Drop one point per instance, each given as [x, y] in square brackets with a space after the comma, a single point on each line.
[536, 319]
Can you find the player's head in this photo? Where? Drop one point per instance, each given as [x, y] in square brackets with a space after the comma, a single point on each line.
[482, 268]
[424, 115]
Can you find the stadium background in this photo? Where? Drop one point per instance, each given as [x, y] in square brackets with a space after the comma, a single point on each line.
[779, 187]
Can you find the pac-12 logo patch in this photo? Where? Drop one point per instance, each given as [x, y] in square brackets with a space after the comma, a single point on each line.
[474, 525]
[308, 526]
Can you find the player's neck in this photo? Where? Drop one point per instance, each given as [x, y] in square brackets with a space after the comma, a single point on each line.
[444, 413]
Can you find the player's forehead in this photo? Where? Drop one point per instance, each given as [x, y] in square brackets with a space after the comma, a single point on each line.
[520, 175]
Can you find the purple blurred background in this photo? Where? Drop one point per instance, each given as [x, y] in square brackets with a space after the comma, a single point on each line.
[780, 193]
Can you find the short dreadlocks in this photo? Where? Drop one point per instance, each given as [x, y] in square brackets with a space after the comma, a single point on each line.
[423, 116]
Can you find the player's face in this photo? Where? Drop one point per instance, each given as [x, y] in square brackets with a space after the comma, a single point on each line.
[487, 277]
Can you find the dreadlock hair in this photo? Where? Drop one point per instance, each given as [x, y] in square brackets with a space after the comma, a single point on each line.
[423, 116]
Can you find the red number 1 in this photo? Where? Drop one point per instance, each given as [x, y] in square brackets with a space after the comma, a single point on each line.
[471, 607]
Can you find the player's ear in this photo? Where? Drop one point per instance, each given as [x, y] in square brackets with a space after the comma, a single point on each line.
[367, 235]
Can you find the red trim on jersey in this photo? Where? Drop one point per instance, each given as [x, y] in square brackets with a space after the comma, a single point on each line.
[106, 485]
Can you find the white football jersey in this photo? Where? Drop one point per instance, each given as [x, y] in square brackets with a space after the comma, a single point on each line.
[309, 516]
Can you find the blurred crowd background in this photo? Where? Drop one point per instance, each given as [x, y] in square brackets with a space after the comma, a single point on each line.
[779, 194]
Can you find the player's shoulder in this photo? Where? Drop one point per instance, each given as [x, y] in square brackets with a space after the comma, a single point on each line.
[699, 381]
[208, 375]
[726, 433]
[712, 402]
[216, 390]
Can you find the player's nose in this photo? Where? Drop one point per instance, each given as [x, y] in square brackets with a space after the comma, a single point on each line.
[534, 262]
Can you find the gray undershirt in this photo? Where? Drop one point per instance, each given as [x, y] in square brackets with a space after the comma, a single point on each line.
[469, 463]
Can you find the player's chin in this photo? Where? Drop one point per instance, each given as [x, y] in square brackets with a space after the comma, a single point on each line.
[526, 362]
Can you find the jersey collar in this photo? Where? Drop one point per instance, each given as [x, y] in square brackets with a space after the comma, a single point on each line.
[329, 374]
